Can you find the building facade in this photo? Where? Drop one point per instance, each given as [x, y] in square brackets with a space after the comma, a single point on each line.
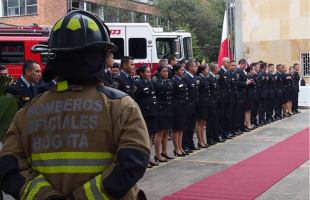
[277, 31]
[48, 12]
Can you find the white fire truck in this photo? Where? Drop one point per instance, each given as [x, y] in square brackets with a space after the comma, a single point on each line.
[147, 44]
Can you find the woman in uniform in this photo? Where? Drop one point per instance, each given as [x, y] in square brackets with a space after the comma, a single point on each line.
[146, 99]
[285, 93]
[180, 97]
[164, 92]
[289, 84]
[251, 98]
[203, 95]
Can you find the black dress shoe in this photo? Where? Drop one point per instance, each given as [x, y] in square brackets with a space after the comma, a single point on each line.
[279, 118]
[194, 148]
[211, 142]
[262, 123]
[157, 160]
[153, 164]
[298, 111]
[185, 153]
[220, 139]
[188, 151]
[246, 130]
[165, 156]
[240, 132]
[202, 146]
[253, 125]
[226, 136]
[230, 135]
[257, 124]
[294, 112]
[236, 134]
[267, 122]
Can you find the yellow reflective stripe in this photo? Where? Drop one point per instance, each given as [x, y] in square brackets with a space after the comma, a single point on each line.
[74, 24]
[92, 25]
[62, 86]
[34, 186]
[70, 155]
[70, 169]
[93, 191]
[58, 25]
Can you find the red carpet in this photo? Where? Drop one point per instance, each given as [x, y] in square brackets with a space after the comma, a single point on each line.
[253, 176]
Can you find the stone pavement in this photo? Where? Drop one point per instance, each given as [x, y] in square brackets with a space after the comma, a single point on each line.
[182, 172]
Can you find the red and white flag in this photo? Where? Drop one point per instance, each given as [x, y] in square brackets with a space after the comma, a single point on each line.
[224, 44]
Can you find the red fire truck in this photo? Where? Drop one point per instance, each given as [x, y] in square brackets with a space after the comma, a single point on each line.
[144, 43]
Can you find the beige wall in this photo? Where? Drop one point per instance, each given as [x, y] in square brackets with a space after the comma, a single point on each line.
[276, 31]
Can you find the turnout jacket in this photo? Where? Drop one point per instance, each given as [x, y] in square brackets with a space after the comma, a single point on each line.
[146, 98]
[192, 106]
[233, 90]
[180, 94]
[241, 83]
[88, 142]
[124, 84]
[164, 94]
[279, 84]
[224, 84]
[271, 85]
[203, 90]
[214, 91]
[262, 83]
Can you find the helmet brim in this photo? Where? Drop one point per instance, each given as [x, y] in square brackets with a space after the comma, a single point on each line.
[110, 47]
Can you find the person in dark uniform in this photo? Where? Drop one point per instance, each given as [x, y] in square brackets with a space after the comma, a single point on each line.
[172, 60]
[115, 69]
[296, 89]
[252, 96]
[109, 64]
[212, 123]
[285, 92]
[271, 93]
[224, 85]
[146, 99]
[124, 81]
[23, 86]
[279, 92]
[263, 93]
[203, 96]
[232, 99]
[242, 83]
[289, 82]
[162, 62]
[192, 107]
[180, 98]
[164, 93]
[254, 111]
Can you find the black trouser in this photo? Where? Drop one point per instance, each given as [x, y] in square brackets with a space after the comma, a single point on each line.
[240, 114]
[188, 133]
[277, 107]
[254, 112]
[223, 117]
[231, 118]
[295, 101]
[212, 124]
[262, 109]
[269, 111]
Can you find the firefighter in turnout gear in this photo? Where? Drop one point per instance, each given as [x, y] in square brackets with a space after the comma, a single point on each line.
[80, 140]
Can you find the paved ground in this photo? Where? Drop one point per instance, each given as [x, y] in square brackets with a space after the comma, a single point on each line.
[182, 172]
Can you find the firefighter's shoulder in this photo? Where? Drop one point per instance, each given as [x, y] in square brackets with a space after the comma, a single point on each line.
[111, 93]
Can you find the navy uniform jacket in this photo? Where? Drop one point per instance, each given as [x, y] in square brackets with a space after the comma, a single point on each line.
[108, 77]
[214, 91]
[262, 83]
[203, 90]
[192, 105]
[279, 84]
[253, 91]
[20, 88]
[146, 98]
[241, 84]
[233, 90]
[180, 94]
[271, 85]
[296, 81]
[289, 84]
[170, 75]
[124, 84]
[224, 84]
[164, 94]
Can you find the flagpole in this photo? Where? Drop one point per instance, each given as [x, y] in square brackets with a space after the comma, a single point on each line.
[231, 24]
[227, 28]
[234, 8]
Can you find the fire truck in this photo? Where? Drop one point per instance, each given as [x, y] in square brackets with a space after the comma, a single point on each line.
[146, 44]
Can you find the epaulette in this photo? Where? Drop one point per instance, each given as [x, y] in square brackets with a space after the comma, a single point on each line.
[111, 92]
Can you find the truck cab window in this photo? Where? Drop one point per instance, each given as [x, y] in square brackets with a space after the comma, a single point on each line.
[137, 48]
[119, 42]
[164, 47]
[12, 53]
[188, 50]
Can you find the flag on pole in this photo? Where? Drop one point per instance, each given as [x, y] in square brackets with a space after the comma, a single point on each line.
[224, 45]
[203, 61]
[248, 59]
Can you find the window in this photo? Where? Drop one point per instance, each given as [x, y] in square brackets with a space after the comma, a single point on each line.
[188, 50]
[12, 53]
[305, 64]
[119, 42]
[18, 7]
[137, 48]
[164, 47]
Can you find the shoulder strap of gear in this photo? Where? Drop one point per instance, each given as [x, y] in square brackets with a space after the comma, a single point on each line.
[111, 92]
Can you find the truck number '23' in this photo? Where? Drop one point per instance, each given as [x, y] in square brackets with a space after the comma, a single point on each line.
[115, 32]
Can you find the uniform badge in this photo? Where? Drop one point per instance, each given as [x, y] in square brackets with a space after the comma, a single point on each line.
[197, 82]
[135, 88]
[238, 75]
[115, 85]
[263, 77]
[217, 76]
[154, 78]
[181, 85]
[267, 78]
